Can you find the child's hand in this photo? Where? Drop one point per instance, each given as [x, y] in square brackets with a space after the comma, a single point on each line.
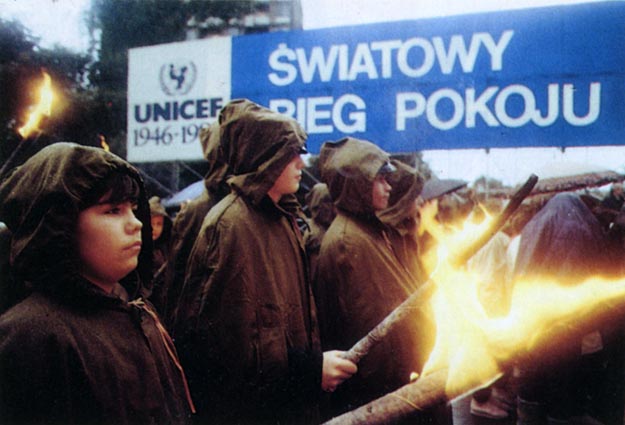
[336, 369]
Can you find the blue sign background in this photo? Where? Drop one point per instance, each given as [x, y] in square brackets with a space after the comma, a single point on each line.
[578, 45]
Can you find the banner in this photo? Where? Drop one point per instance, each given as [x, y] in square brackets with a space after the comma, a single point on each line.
[173, 91]
[551, 76]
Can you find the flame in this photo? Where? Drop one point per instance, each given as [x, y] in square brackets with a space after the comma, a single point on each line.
[43, 107]
[103, 143]
[471, 344]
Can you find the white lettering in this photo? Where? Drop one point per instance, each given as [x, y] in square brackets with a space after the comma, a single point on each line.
[432, 114]
[362, 63]
[553, 109]
[457, 49]
[317, 62]
[386, 48]
[428, 57]
[408, 105]
[496, 50]
[529, 103]
[322, 115]
[478, 107]
[414, 57]
[289, 70]
[594, 105]
[413, 105]
[358, 118]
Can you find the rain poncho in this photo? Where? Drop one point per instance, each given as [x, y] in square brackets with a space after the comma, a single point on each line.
[564, 240]
[322, 213]
[246, 324]
[71, 353]
[400, 217]
[161, 244]
[188, 222]
[361, 278]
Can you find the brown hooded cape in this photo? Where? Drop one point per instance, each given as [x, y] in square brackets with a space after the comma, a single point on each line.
[71, 353]
[246, 323]
[361, 278]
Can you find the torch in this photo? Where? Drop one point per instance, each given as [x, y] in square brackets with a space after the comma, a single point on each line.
[42, 109]
[419, 297]
[584, 307]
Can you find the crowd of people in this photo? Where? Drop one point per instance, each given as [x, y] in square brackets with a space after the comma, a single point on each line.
[241, 310]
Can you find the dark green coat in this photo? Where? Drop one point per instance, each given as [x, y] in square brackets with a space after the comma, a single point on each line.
[361, 277]
[246, 324]
[71, 353]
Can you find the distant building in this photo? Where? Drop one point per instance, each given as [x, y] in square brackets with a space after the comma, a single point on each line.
[268, 16]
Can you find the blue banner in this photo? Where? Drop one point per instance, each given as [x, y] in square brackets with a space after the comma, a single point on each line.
[551, 76]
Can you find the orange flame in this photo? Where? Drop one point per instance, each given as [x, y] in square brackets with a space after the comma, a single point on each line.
[103, 143]
[43, 108]
[473, 345]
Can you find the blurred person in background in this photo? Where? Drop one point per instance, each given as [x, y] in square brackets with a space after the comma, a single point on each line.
[582, 382]
[322, 212]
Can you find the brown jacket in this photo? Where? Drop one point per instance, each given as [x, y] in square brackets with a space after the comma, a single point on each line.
[71, 353]
[361, 277]
[246, 323]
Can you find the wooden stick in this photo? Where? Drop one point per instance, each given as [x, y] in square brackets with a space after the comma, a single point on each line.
[421, 295]
[429, 390]
[515, 201]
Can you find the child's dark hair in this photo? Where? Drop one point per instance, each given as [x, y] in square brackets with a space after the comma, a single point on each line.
[121, 186]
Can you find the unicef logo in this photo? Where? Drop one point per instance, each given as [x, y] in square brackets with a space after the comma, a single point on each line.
[177, 77]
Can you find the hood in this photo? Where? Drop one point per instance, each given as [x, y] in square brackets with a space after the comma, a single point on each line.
[256, 144]
[349, 167]
[564, 240]
[156, 207]
[215, 178]
[320, 205]
[406, 183]
[40, 202]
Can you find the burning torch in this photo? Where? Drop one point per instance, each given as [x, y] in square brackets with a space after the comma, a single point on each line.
[42, 109]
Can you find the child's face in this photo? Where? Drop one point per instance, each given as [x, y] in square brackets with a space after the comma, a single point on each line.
[381, 191]
[157, 226]
[288, 181]
[109, 242]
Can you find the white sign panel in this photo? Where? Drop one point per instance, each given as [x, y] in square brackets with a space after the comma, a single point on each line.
[173, 91]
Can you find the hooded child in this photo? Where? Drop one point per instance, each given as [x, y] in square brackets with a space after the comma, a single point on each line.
[360, 276]
[322, 212]
[84, 346]
[246, 324]
[161, 232]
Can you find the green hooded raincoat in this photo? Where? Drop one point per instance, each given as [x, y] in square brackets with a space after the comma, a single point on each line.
[361, 278]
[246, 323]
[71, 353]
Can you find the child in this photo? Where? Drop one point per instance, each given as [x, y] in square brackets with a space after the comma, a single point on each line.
[360, 276]
[246, 321]
[161, 232]
[77, 350]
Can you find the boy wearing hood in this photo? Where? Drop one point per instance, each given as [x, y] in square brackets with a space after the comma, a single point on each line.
[361, 277]
[246, 324]
[83, 346]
